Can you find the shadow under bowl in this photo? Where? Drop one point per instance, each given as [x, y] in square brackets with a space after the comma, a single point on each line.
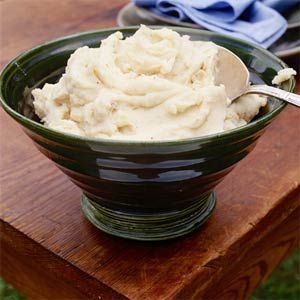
[138, 190]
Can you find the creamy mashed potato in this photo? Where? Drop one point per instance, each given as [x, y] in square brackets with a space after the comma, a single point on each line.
[154, 85]
[283, 75]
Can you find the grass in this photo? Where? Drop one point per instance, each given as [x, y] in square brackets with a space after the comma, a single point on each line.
[283, 284]
[7, 292]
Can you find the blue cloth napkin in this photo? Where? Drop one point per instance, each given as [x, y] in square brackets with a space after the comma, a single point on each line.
[256, 21]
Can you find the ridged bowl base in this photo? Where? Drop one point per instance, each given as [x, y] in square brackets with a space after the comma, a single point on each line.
[149, 227]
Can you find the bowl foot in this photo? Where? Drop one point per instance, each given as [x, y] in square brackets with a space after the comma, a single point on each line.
[149, 227]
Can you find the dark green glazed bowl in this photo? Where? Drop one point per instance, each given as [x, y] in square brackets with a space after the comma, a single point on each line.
[138, 190]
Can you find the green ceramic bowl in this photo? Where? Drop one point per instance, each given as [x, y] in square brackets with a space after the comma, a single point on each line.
[138, 190]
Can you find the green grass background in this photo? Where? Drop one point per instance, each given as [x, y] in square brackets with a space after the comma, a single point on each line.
[283, 284]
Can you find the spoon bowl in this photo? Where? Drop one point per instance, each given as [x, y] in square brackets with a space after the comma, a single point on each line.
[234, 75]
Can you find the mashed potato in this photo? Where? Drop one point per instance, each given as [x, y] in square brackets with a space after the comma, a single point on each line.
[154, 85]
[283, 75]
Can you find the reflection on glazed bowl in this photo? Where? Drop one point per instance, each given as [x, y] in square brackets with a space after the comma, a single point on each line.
[139, 190]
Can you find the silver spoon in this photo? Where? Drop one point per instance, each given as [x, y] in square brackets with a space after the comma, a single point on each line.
[234, 75]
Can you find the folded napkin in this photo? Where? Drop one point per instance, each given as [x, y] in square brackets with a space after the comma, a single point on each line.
[256, 21]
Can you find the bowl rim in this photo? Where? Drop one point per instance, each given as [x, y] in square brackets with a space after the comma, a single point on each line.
[77, 138]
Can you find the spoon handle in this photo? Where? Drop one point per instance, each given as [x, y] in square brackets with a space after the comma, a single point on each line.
[272, 91]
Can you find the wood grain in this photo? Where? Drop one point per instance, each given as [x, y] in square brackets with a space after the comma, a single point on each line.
[44, 233]
[42, 275]
[240, 272]
[256, 265]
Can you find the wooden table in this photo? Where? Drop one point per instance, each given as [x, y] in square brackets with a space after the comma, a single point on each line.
[50, 251]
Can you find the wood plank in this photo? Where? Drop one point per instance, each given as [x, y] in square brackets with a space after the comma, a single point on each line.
[43, 275]
[258, 263]
[239, 271]
[40, 206]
